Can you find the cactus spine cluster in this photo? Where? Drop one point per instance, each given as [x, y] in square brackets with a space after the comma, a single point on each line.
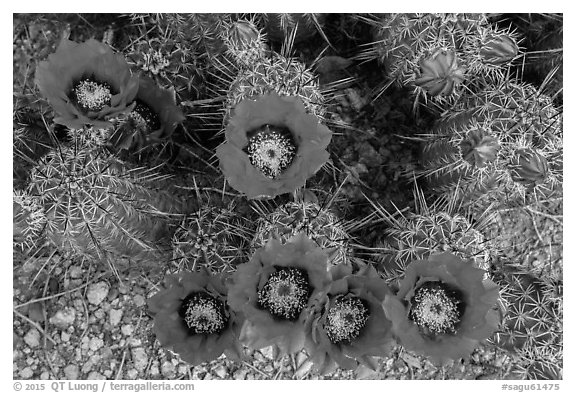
[212, 237]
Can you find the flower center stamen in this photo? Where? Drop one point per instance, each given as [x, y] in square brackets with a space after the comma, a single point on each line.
[346, 318]
[203, 313]
[437, 308]
[286, 293]
[92, 95]
[271, 149]
[143, 117]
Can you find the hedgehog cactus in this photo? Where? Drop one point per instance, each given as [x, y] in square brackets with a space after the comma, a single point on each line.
[428, 230]
[244, 42]
[531, 322]
[504, 141]
[287, 77]
[440, 54]
[213, 238]
[29, 220]
[93, 205]
[319, 224]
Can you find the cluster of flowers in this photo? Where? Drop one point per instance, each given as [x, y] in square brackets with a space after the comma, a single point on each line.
[287, 296]
[87, 84]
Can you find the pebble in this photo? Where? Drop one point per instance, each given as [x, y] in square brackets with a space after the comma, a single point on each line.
[75, 272]
[95, 344]
[63, 318]
[140, 358]
[221, 371]
[97, 293]
[26, 373]
[240, 374]
[115, 316]
[95, 375]
[32, 338]
[72, 372]
[139, 301]
[168, 369]
[127, 330]
[45, 375]
[132, 374]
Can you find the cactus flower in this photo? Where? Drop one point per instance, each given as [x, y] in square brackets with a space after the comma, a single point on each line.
[86, 84]
[153, 119]
[440, 73]
[347, 325]
[443, 308]
[273, 290]
[191, 317]
[272, 146]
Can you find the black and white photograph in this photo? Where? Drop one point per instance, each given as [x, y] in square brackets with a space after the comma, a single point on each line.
[287, 196]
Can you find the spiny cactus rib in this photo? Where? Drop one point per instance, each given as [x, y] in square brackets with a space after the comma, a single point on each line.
[94, 205]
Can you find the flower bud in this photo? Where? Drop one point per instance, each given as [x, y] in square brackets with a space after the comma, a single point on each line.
[528, 167]
[242, 34]
[498, 49]
[478, 148]
[440, 73]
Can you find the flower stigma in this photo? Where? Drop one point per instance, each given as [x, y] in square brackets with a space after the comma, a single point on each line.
[286, 293]
[346, 318]
[271, 149]
[92, 95]
[203, 313]
[437, 308]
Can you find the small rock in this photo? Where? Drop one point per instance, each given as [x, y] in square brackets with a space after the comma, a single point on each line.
[75, 272]
[139, 301]
[221, 372]
[95, 344]
[168, 369]
[115, 316]
[95, 375]
[97, 293]
[87, 367]
[45, 375]
[32, 338]
[72, 372]
[140, 358]
[63, 318]
[127, 330]
[26, 373]
[132, 374]
[240, 374]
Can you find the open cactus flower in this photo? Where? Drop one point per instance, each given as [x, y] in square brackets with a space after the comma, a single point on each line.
[346, 325]
[443, 308]
[272, 146]
[153, 119]
[273, 291]
[86, 83]
[192, 318]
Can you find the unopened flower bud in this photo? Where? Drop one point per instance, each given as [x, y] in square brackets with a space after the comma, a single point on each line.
[528, 167]
[440, 73]
[498, 49]
[479, 148]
